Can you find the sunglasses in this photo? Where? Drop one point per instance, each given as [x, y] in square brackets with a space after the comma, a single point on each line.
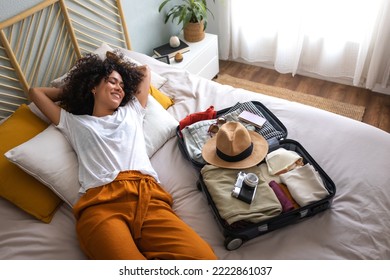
[214, 128]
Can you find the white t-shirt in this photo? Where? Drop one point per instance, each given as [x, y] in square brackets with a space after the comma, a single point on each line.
[107, 145]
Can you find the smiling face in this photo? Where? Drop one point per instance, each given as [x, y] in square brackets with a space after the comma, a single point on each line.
[108, 95]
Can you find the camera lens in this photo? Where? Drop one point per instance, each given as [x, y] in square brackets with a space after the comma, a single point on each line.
[251, 180]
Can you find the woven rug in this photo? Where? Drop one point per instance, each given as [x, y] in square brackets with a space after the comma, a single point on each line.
[340, 108]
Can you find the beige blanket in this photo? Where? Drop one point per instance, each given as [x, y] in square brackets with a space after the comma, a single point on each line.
[220, 182]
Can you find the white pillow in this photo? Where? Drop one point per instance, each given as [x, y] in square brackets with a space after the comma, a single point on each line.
[49, 158]
[38, 112]
[156, 80]
[159, 126]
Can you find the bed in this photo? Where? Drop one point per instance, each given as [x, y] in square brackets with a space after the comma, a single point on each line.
[356, 156]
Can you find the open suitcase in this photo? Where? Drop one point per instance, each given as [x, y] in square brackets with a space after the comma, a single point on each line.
[235, 235]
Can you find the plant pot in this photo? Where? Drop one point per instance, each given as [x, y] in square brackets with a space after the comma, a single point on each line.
[194, 32]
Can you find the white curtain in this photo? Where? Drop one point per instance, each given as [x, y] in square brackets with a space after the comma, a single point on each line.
[342, 39]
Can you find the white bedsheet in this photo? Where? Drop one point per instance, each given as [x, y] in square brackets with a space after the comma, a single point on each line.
[355, 155]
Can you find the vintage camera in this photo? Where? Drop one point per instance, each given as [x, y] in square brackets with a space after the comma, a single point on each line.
[245, 187]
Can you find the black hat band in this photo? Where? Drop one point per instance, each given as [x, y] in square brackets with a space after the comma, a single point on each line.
[243, 155]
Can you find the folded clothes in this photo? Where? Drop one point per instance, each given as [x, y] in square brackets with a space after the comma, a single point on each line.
[268, 131]
[208, 114]
[265, 176]
[282, 160]
[305, 184]
[220, 182]
[194, 136]
[268, 178]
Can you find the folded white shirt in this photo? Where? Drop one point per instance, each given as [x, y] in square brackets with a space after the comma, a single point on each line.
[305, 184]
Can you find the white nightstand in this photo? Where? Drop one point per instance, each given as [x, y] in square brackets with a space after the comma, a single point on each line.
[202, 59]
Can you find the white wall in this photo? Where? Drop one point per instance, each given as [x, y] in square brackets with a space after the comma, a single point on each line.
[146, 25]
[9, 9]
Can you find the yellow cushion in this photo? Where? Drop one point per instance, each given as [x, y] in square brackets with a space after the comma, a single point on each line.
[16, 185]
[163, 99]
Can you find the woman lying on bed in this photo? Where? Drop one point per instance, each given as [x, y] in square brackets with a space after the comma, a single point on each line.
[124, 212]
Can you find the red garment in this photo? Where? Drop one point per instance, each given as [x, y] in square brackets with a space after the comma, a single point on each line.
[209, 114]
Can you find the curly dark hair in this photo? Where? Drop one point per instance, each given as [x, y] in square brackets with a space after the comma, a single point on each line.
[88, 73]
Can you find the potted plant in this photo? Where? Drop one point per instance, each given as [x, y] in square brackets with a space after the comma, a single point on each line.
[192, 14]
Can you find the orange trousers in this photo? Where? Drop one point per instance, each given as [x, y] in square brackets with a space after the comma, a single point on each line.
[132, 218]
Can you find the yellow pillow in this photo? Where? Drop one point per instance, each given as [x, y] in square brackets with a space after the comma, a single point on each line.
[16, 185]
[163, 99]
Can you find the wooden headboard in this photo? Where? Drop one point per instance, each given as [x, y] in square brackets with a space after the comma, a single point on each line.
[42, 43]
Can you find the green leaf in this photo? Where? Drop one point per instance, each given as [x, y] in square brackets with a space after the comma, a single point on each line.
[187, 11]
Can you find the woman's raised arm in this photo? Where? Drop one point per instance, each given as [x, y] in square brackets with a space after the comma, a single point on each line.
[144, 86]
[45, 98]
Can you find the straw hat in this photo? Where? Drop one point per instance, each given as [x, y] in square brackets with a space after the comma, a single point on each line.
[235, 147]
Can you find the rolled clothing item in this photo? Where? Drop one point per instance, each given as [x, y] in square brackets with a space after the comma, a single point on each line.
[288, 194]
[305, 184]
[284, 201]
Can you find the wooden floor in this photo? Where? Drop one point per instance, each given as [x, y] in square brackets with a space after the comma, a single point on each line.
[377, 105]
